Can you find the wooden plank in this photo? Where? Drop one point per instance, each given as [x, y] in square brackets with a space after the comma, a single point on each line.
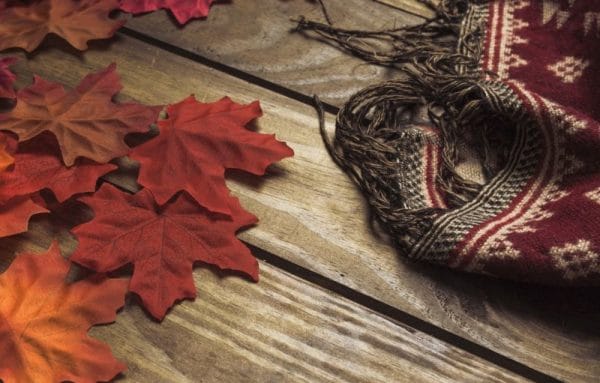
[256, 37]
[282, 329]
[415, 7]
[312, 215]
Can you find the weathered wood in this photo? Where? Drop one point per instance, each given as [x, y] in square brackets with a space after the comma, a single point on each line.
[415, 7]
[280, 330]
[313, 216]
[257, 38]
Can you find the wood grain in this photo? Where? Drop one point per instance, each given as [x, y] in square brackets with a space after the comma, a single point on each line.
[415, 7]
[256, 37]
[280, 330]
[313, 216]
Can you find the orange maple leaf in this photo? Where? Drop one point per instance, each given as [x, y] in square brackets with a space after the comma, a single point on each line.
[85, 121]
[5, 159]
[25, 25]
[44, 322]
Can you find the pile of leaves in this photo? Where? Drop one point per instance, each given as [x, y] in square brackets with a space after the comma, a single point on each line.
[62, 142]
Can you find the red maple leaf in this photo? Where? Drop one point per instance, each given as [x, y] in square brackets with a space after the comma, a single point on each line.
[15, 215]
[38, 166]
[183, 10]
[44, 321]
[26, 24]
[197, 142]
[7, 78]
[162, 243]
[85, 121]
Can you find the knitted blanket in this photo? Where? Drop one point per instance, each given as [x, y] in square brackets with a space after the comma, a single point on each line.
[485, 156]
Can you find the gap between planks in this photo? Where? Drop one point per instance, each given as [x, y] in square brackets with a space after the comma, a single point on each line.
[245, 76]
[414, 7]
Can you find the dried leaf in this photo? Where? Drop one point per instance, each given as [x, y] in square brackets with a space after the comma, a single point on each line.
[44, 321]
[162, 243]
[197, 143]
[85, 121]
[5, 158]
[15, 215]
[38, 166]
[183, 10]
[26, 24]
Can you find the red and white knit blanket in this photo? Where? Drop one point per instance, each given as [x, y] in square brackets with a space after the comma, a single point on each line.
[538, 219]
[502, 175]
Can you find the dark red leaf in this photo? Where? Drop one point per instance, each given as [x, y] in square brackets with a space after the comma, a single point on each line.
[183, 10]
[38, 166]
[197, 142]
[162, 243]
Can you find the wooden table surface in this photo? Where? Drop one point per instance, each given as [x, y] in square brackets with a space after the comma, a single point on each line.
[335, 302]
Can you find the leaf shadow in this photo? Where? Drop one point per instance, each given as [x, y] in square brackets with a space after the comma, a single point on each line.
[252, 181]
[44, 228]
[56, 42]
[222, 273]
[10, 247]
[7, 104]
[139, 138]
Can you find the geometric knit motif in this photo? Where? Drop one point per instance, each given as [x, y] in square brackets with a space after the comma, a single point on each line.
[419, 154]
[536, 218]
[569, 69]
[594, 195]
[577, 260]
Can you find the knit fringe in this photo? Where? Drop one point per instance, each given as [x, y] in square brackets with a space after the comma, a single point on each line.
[439, 65]
[397, 46]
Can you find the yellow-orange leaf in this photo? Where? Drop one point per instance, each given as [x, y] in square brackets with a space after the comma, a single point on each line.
[44, 322]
